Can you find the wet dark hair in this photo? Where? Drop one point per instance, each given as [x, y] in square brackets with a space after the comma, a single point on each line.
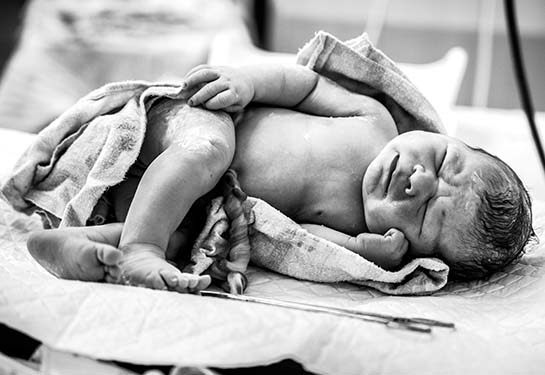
[502, 225]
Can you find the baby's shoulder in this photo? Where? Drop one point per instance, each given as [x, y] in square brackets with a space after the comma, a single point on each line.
[374, 109]
[374, 122]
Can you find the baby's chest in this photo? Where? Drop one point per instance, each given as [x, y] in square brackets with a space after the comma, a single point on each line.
[337, 204]
[344, 215]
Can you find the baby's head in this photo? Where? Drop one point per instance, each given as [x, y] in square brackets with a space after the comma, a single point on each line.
[451, 201]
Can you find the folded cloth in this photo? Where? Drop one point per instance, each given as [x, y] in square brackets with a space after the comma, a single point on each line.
[362, 68]
[91, 146]
[86, 150]
[280, 244]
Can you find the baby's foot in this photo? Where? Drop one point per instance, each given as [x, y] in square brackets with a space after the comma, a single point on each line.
[145, 265]
[86, 253]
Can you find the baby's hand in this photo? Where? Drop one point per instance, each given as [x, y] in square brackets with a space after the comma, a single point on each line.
[386, 250]
[395, 245]
[218, 87]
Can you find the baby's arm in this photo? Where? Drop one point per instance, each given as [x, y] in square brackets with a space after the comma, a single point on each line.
[291, 86]
[386, 251]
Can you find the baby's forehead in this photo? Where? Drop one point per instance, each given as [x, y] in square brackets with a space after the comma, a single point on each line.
[478, 165]
[486, 171]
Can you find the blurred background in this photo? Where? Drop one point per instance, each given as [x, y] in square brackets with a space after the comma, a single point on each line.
[10, 21]
[421, 31]
[415, 31]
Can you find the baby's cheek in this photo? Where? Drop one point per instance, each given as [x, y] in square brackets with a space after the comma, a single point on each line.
[375, 219]
[371, 179]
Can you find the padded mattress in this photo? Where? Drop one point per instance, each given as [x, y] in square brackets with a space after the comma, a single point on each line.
[500, 322]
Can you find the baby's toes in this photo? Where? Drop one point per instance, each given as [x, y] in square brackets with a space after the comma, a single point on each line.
[108, 255]
[192, 281]
[113, 271]
[170, 278]
[110, 279]
[198, 282]
[183, 283]
[155, 281]
[204, 282]
[188, 283]
[90, 257]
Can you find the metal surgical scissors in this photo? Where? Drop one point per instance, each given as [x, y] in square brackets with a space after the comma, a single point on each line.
[412, 324]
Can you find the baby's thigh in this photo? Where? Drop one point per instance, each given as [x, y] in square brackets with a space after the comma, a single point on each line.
[174, 123]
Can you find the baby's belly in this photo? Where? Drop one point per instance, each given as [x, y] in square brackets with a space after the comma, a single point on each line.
[308, 167]
[270, 157]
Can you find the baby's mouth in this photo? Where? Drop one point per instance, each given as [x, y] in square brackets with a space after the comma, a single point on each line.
[391, 170]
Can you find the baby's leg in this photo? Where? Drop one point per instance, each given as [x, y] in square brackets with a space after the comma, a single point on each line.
[83, 253]
[188, 150]
[86, 253]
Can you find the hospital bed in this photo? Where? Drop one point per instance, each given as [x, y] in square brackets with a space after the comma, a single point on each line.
[500, 323]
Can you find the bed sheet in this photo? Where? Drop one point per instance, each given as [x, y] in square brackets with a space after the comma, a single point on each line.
[500, 321]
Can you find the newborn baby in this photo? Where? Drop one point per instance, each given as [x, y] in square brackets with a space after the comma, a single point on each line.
[328, 158]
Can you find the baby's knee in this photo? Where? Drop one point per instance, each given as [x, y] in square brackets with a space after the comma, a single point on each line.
[212, 155]
[200, 161]
[174, 123]
[214, 150]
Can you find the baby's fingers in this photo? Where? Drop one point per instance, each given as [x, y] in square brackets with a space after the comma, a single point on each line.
[208, 92]
[225, 100]
[397, 238]
[394, 233]
[201, 76]
[197, 68]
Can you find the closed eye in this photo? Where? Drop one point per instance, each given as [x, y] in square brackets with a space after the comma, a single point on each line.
[442, 161]
[425, 208]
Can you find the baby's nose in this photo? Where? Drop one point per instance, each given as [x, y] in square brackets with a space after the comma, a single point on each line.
[422, 183]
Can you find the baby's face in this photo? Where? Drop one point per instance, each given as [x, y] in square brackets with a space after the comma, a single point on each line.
[424, 185]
